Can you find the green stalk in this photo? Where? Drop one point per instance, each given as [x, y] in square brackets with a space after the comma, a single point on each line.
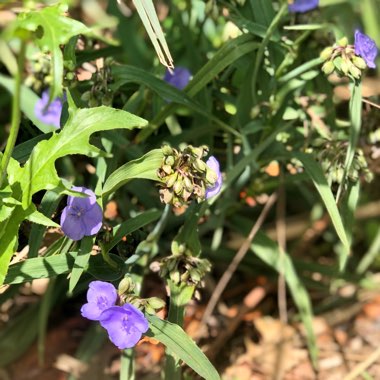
[260, 52]
[16, 115]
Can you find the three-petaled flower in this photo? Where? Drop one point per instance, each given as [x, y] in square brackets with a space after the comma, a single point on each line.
[302, 6]
[179, 77]
[49, 113]
[213, 163]
[366, 48]
[82, 216]
[124, 324]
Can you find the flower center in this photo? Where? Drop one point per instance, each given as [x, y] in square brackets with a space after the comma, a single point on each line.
[127, 326]
[102, 303]
[76, 211]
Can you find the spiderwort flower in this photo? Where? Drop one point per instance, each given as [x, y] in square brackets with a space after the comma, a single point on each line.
[124, 324]
[366, 48]
[82, 216]
[100, 296]
[213, 163]
[180, 77]
[49, 113]
[302, 6]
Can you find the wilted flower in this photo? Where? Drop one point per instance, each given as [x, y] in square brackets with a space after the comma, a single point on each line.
[179, 78]
[302, 6]
[100, 296]
[213, 163]
[124, 324]
[82, 216]
[366, 48]
[48, 113]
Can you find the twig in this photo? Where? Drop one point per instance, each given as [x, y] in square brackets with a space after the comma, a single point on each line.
[236, 260]
[360, 368]
[251, 300]
[370, 103]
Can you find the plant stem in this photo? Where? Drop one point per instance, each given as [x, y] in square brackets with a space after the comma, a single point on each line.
[16, 115]
[260, 52]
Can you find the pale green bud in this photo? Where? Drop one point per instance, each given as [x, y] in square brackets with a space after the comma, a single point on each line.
[343, 42]
[326, 53]
[328, 67]
[359, 62]
[355, 72]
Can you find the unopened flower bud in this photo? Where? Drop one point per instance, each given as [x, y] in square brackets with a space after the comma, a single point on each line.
[327, 53]
[359, 62]
[328, 67]
[354, 71]
[343, 42]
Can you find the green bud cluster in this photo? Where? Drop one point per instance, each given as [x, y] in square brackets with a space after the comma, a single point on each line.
[126, 294]
[342, 59]
[184, 269]
[185, 175]
[332, 156]
[39, 72]
[100, 92]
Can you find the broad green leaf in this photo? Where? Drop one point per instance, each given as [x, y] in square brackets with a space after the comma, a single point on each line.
[28, 100]
[176, 340]
[316, 174]
[144, 167]
[39, 218]
[56, 30]
[39, 171]
[40, 267]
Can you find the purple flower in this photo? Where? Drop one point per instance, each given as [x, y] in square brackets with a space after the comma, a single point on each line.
[48, 113]
[100, 296]
[82, 216]
[180, 77]
[124, 324]
[366, 48]
[302, 6]
[213, 164]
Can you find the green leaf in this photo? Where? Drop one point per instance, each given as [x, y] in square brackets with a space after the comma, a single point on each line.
[144, 167]
[39, 218]
[39, 171]
[176, 340]
[40, 267]
[81, 261]
[28, 100]
[316, 174]
[56, 29]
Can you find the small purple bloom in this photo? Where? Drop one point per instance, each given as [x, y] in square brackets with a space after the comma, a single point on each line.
[49, 113]
[302, 6]
[366, 48]
[100, 296]
[82, 216]
[124, 324]
[213, 164]
[180, 77]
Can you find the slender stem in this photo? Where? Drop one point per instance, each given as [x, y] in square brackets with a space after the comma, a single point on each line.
[16, 115]
[260, 52]
[107, 258]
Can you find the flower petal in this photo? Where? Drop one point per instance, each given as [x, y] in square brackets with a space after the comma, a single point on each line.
[72, 225]
[93, 220]
[137, 317]
[213, 164]
[100, 296]
[82, 203]
[180, 77]
[121, 327]
[302, 6]
[49, 113]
